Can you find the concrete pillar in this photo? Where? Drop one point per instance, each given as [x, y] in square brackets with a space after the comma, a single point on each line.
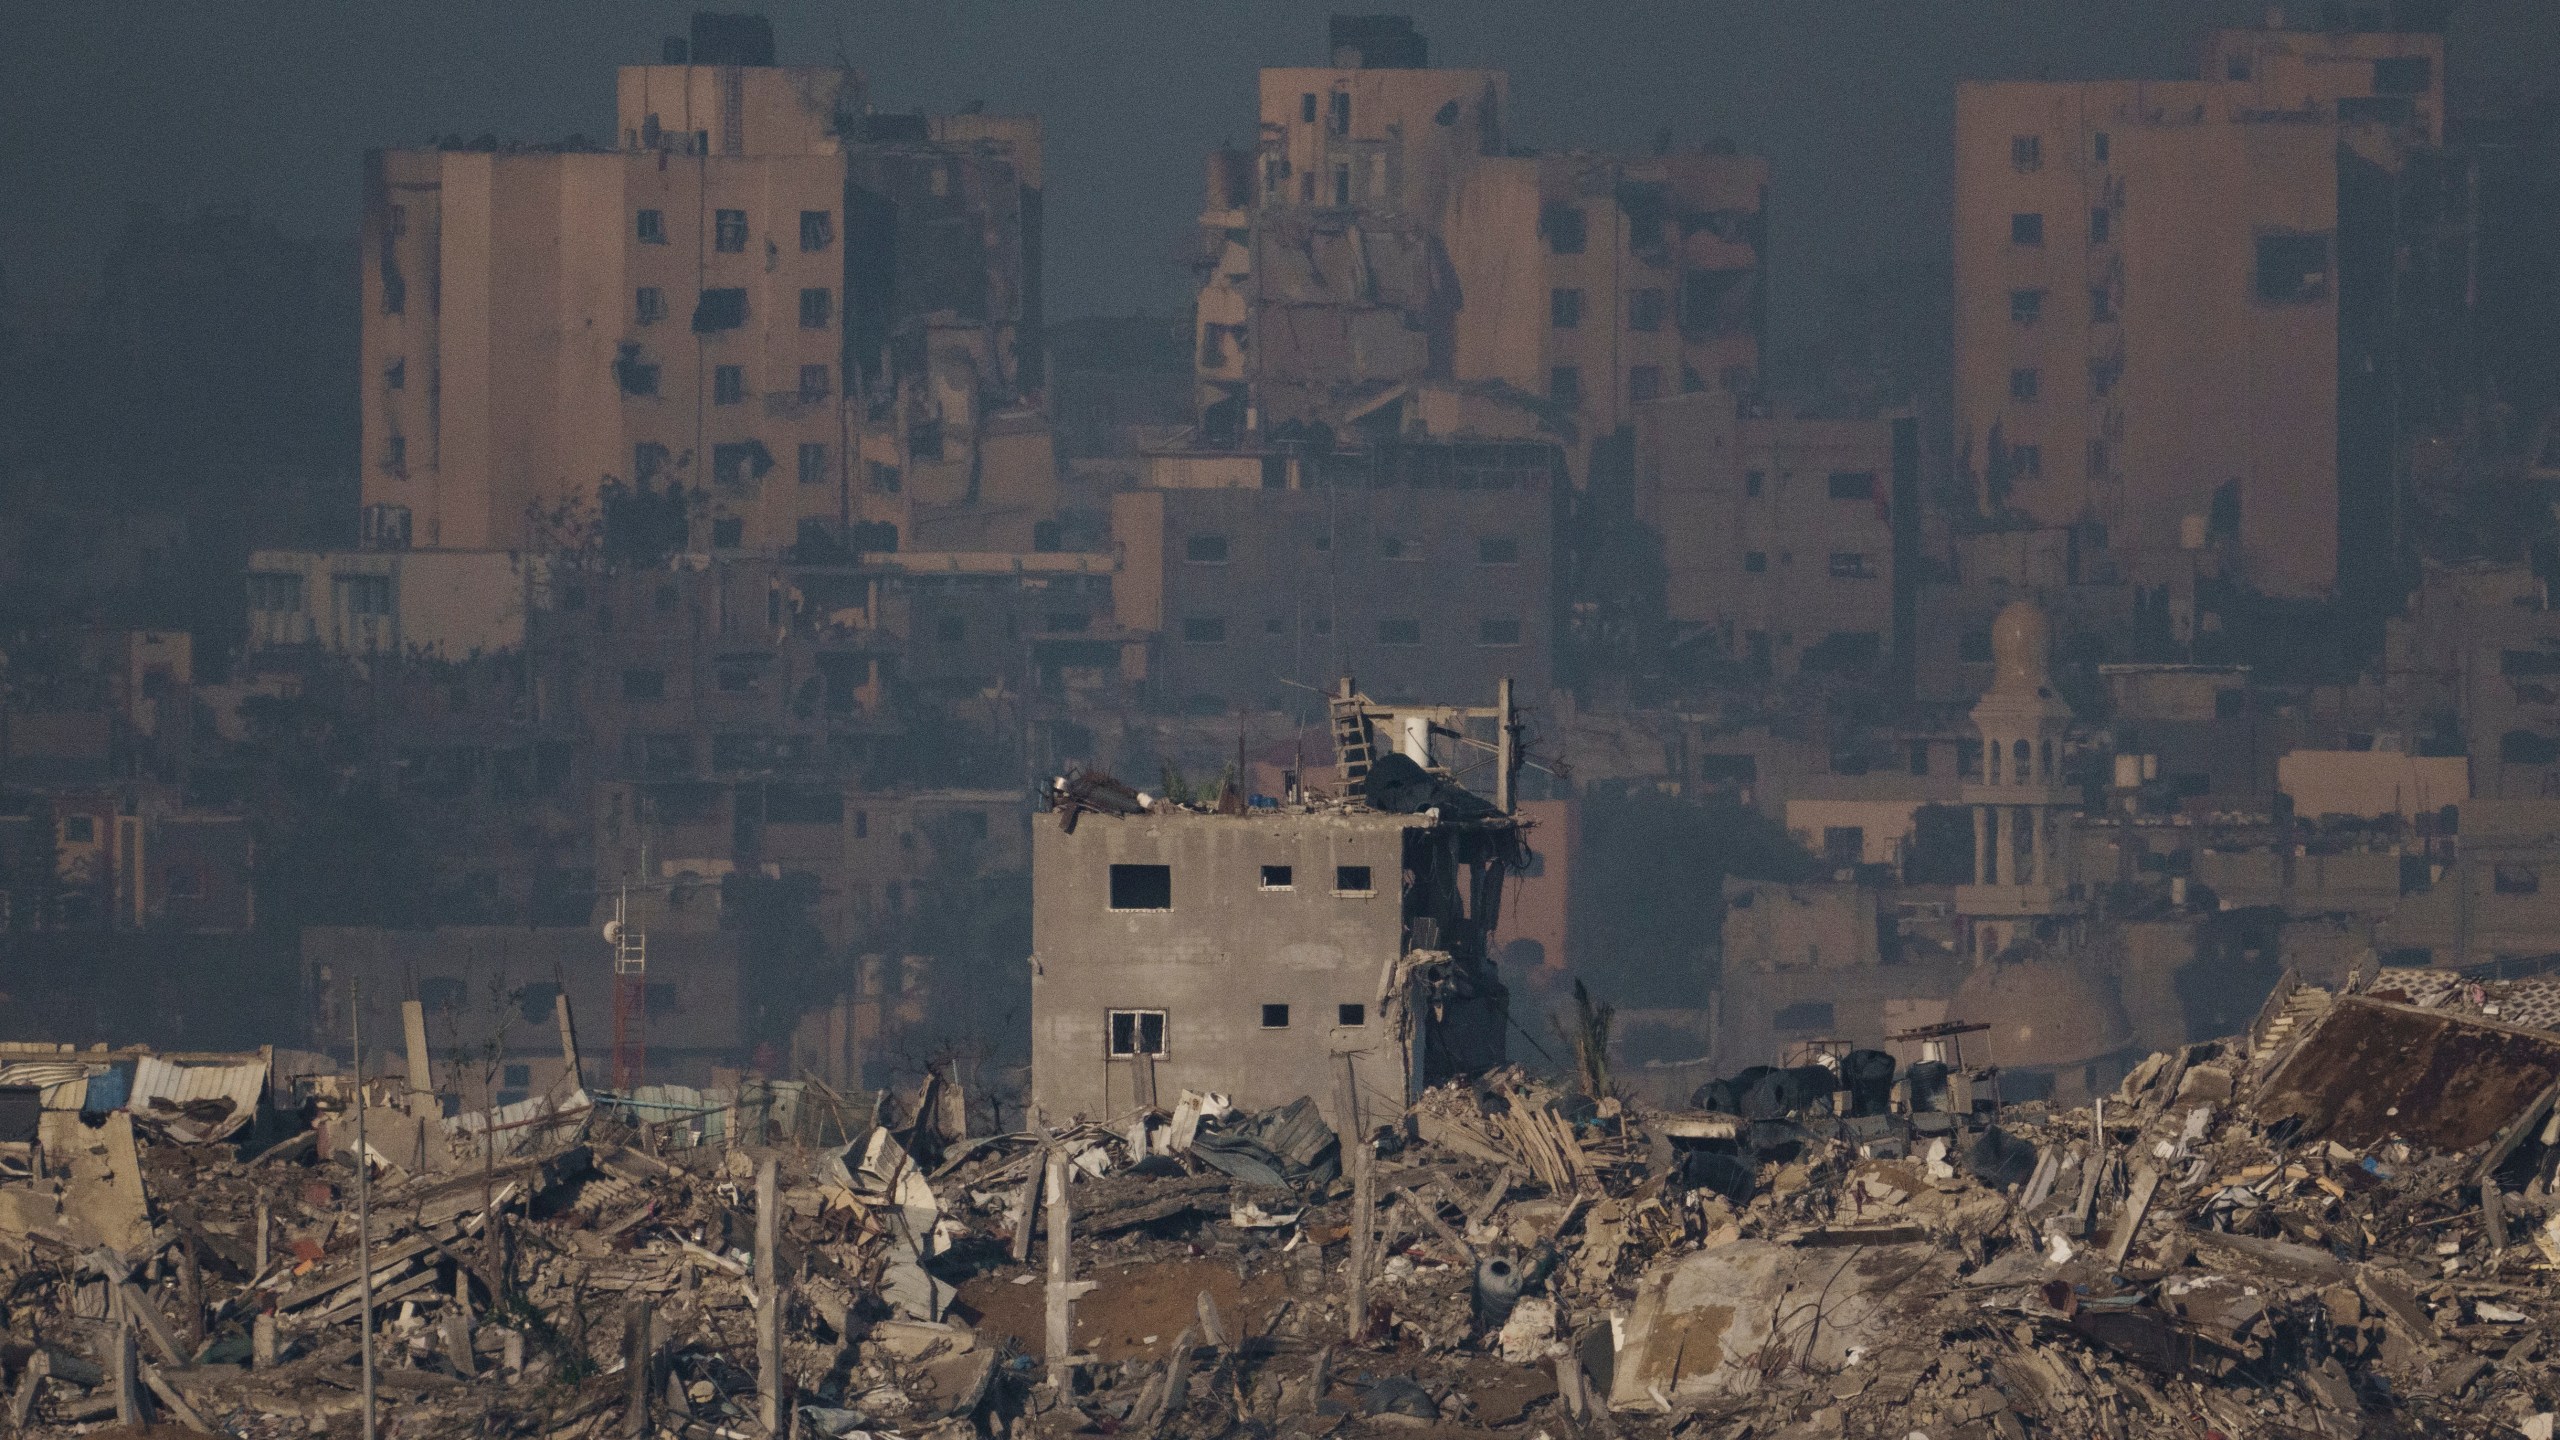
[1981, 844]
[2002, 866]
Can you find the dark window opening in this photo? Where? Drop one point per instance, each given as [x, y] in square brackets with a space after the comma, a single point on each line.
[817, 229]
[1136, 1032]
[1755, 562]
[813, 462]
[2026, 152]
[729, 231]
[728, 384]
[1275, 1017]
[2026, 306]
[1644, 382]
[2403, 74]
[1350, 1014]
[815, 382]
[1204, 630]
[2026, 229]
[1567, 230]
[652, 227]
[1646, 309]
[1564, 308]
[1803, 1015]
[2024, 384]
[1141, 887]
[720, 310]
[2292, 268]
[1351, 880]
[1853, 484]
[1752, 481]
[1497, 550]
[1277, 877]
[817, 308]
[1205, 549]
[1564, 385]
[728, 532]
[2101, 225]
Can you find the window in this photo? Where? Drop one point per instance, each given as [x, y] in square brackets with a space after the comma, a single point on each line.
[1136, 1032]
[720, 310]
[2403, 75]
[728, 384]
[1351, 1014]
[2097, 459]
[1755, 562]
[2292, 268]
[813, 462]
[1352, 880]
[817, 229]
[817, 308]
[1399, 632]
[2026, 460]
[395, 451]
[1567, 231]
[2102, 225]
[2102, 305]
[653, 227]
[275, 592]
[814, 384]
[2026, 152]
[79, 830]
[1341, 112]
[1498, 632]
[1277, 877]
[1341, 184]
[1752, 480]
[1275, 1017]
[1564, 385]
[1497, 550]
[644, 684]
[1204, 630]
[395, 375]
[1919, 756]
[1844, 844]
[1205, 549]
[739, 462]
[1564, 309]
[1141, 887]
[728, 532]
[648, 460]
[1645, 309]
[366, 594]
[2026, 229]
[1307, 108]
[1803, 1015]
[2023, 384]
[1852, 484]
[729, 231]
[1644, 382]
[2235, 67]
[1850, 565]
[2026, 307]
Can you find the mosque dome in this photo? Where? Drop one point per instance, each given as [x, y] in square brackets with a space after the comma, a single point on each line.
[2043, 1014]
[2021, 649]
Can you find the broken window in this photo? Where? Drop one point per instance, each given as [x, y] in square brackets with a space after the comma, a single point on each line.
[2102, 305]
[1852, 484]
[1351, 1014]
[1644, 382]
[1204, 630]
[635, 375]
[1205, 549]
[817, 229]
[2517, 880]
[1804, 1015]
[2235, 67]
[395, 452]
[2097, 458]
[2023, 384]
[2403, 74]
[275, 592]
[1307, 108]
[729, 231]
[2026, 229]
[1564, 385]
[2026, 461]
[1497, 550]
[395, 375]
[1352, 880]
[2101, 225]
[1275, 1017]
[813, 462]
[1850, 565]
[1755, 562]
[1341, 184]
[1498, 632]
[652, 227]
[2098, 147]
[817, 308]
[738, 462]
[728, 532]
[365, 594]
[648, 461]
[644, 684]
[648, 305]
[2292, 268]
[1752, 481]
[1277, 877]
[1141, 887]
[728, 384]
[2026, 307]
[1844, 844]
[1564, 308]
[1136, 1032]
[1565, 227]
[814, 384]
[1341, 112]
[1399, 632]
[2026, 152]
[720, 310]
[1645, 309]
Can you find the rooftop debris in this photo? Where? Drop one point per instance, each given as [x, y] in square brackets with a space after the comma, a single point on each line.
[2348, 1234]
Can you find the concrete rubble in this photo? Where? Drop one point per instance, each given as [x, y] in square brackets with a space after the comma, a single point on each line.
[2340, 1228]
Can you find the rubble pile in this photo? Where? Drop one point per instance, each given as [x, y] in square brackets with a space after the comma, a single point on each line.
[2343, 1223]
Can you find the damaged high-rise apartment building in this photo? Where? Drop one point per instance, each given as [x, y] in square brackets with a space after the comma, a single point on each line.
[821, 321]
[2200, 315]
[1383, 230]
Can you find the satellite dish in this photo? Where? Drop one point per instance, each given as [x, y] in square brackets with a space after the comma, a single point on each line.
[613, 932]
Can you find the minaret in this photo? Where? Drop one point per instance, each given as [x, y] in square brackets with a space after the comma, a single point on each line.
[2022, 869]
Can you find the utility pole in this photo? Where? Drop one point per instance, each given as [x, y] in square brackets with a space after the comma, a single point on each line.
[364, 1201]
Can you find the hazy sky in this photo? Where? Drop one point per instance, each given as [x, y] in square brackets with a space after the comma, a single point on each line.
[184, 102]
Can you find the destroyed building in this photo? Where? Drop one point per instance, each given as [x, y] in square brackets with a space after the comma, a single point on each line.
[1330, 942]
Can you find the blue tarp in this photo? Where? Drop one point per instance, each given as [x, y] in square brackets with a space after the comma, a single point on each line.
[109, 1089]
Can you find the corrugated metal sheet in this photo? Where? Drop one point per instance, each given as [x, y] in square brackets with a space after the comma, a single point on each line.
[163, 1089]
[516, 1131]
[65, 1083]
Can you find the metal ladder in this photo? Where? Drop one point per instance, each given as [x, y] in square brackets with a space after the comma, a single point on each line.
[1351, 745]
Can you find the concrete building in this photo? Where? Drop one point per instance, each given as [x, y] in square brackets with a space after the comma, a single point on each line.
[1333, 950]
[2186, 313]
[1424, 560]
[1783, 532]
[820, 321]
[1383, 230]
[442, 604]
